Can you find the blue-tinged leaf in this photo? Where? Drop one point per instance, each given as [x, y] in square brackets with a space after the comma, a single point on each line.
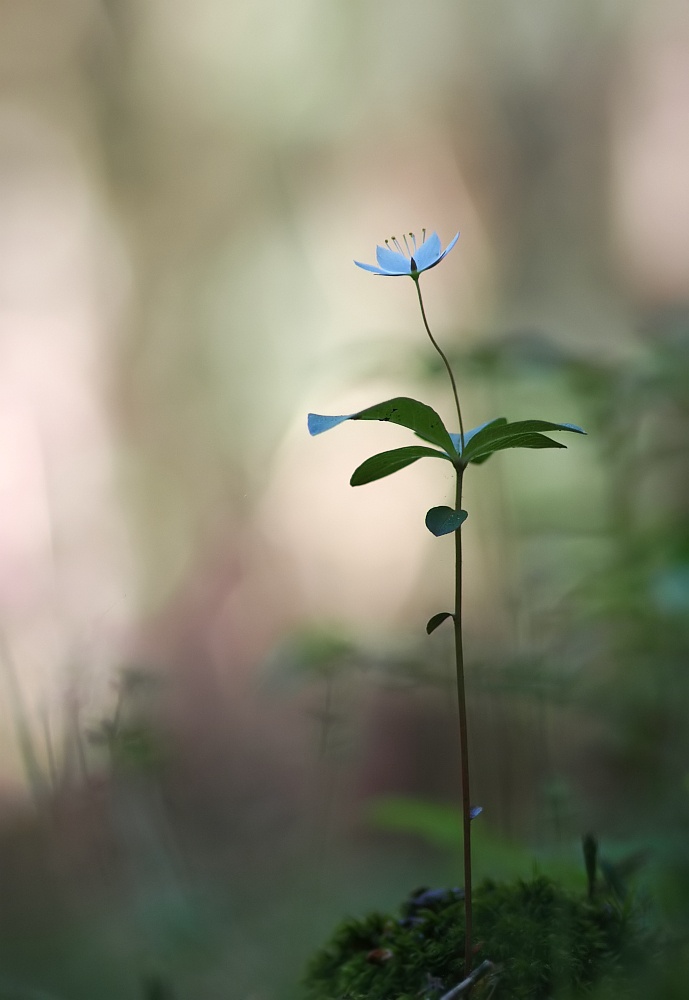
[319, 423]
[443, 520]
[436, 620]
[387, 462]
[411, 413]
[518, 434]
[457, 439]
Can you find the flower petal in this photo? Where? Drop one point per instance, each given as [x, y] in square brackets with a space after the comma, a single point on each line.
[393, 262]
[428, 253]
[448, 247]
[371, 267]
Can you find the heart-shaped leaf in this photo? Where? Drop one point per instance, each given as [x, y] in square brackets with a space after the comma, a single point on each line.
[387, 462]
[432, 623]
[443, 520]
[403, 410]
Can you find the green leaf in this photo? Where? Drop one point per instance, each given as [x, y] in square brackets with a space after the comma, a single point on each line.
[482, 459]
[469, 435]
[387, 462]
[518, 434]
[436, 620]
[520, 441]
[411, 413]
[443, 520]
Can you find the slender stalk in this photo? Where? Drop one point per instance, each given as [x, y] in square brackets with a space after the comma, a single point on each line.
[459, 664]
[463, 732]
[442, 354]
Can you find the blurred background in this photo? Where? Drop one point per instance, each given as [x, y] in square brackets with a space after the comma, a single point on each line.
[222, 726]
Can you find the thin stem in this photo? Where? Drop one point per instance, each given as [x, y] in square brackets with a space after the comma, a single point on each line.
[445, 362]
[463, 732]
[459, 662]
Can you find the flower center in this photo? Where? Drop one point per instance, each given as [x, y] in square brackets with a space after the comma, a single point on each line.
[409, 249]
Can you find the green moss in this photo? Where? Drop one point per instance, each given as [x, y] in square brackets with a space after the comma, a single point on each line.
[544, 940]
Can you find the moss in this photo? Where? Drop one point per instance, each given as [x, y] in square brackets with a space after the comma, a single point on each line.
[545, 942]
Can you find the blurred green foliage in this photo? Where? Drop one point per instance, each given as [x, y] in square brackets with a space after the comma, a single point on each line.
[543, 941]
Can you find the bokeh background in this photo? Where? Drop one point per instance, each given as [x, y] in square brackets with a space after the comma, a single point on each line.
[222, 726]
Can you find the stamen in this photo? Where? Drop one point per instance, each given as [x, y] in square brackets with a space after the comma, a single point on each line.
[397, 244]
[423, 235]
[414, 239]
[406, 245]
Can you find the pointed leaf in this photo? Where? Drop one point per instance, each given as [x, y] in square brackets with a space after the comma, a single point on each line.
[518, 434]
[436, 620]
[411, 413]
[520, 441]
[443, 520]
[387, 462]
[523, 441]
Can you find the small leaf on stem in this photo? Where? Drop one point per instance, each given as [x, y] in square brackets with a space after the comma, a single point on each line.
[443, 520]
[432, 623]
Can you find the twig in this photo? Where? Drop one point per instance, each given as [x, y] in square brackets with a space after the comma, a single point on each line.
[479, 972]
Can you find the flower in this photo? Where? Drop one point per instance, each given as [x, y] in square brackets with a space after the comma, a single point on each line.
[410, 259]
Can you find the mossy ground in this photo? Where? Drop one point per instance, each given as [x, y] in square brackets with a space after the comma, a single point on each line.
[545, 942]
